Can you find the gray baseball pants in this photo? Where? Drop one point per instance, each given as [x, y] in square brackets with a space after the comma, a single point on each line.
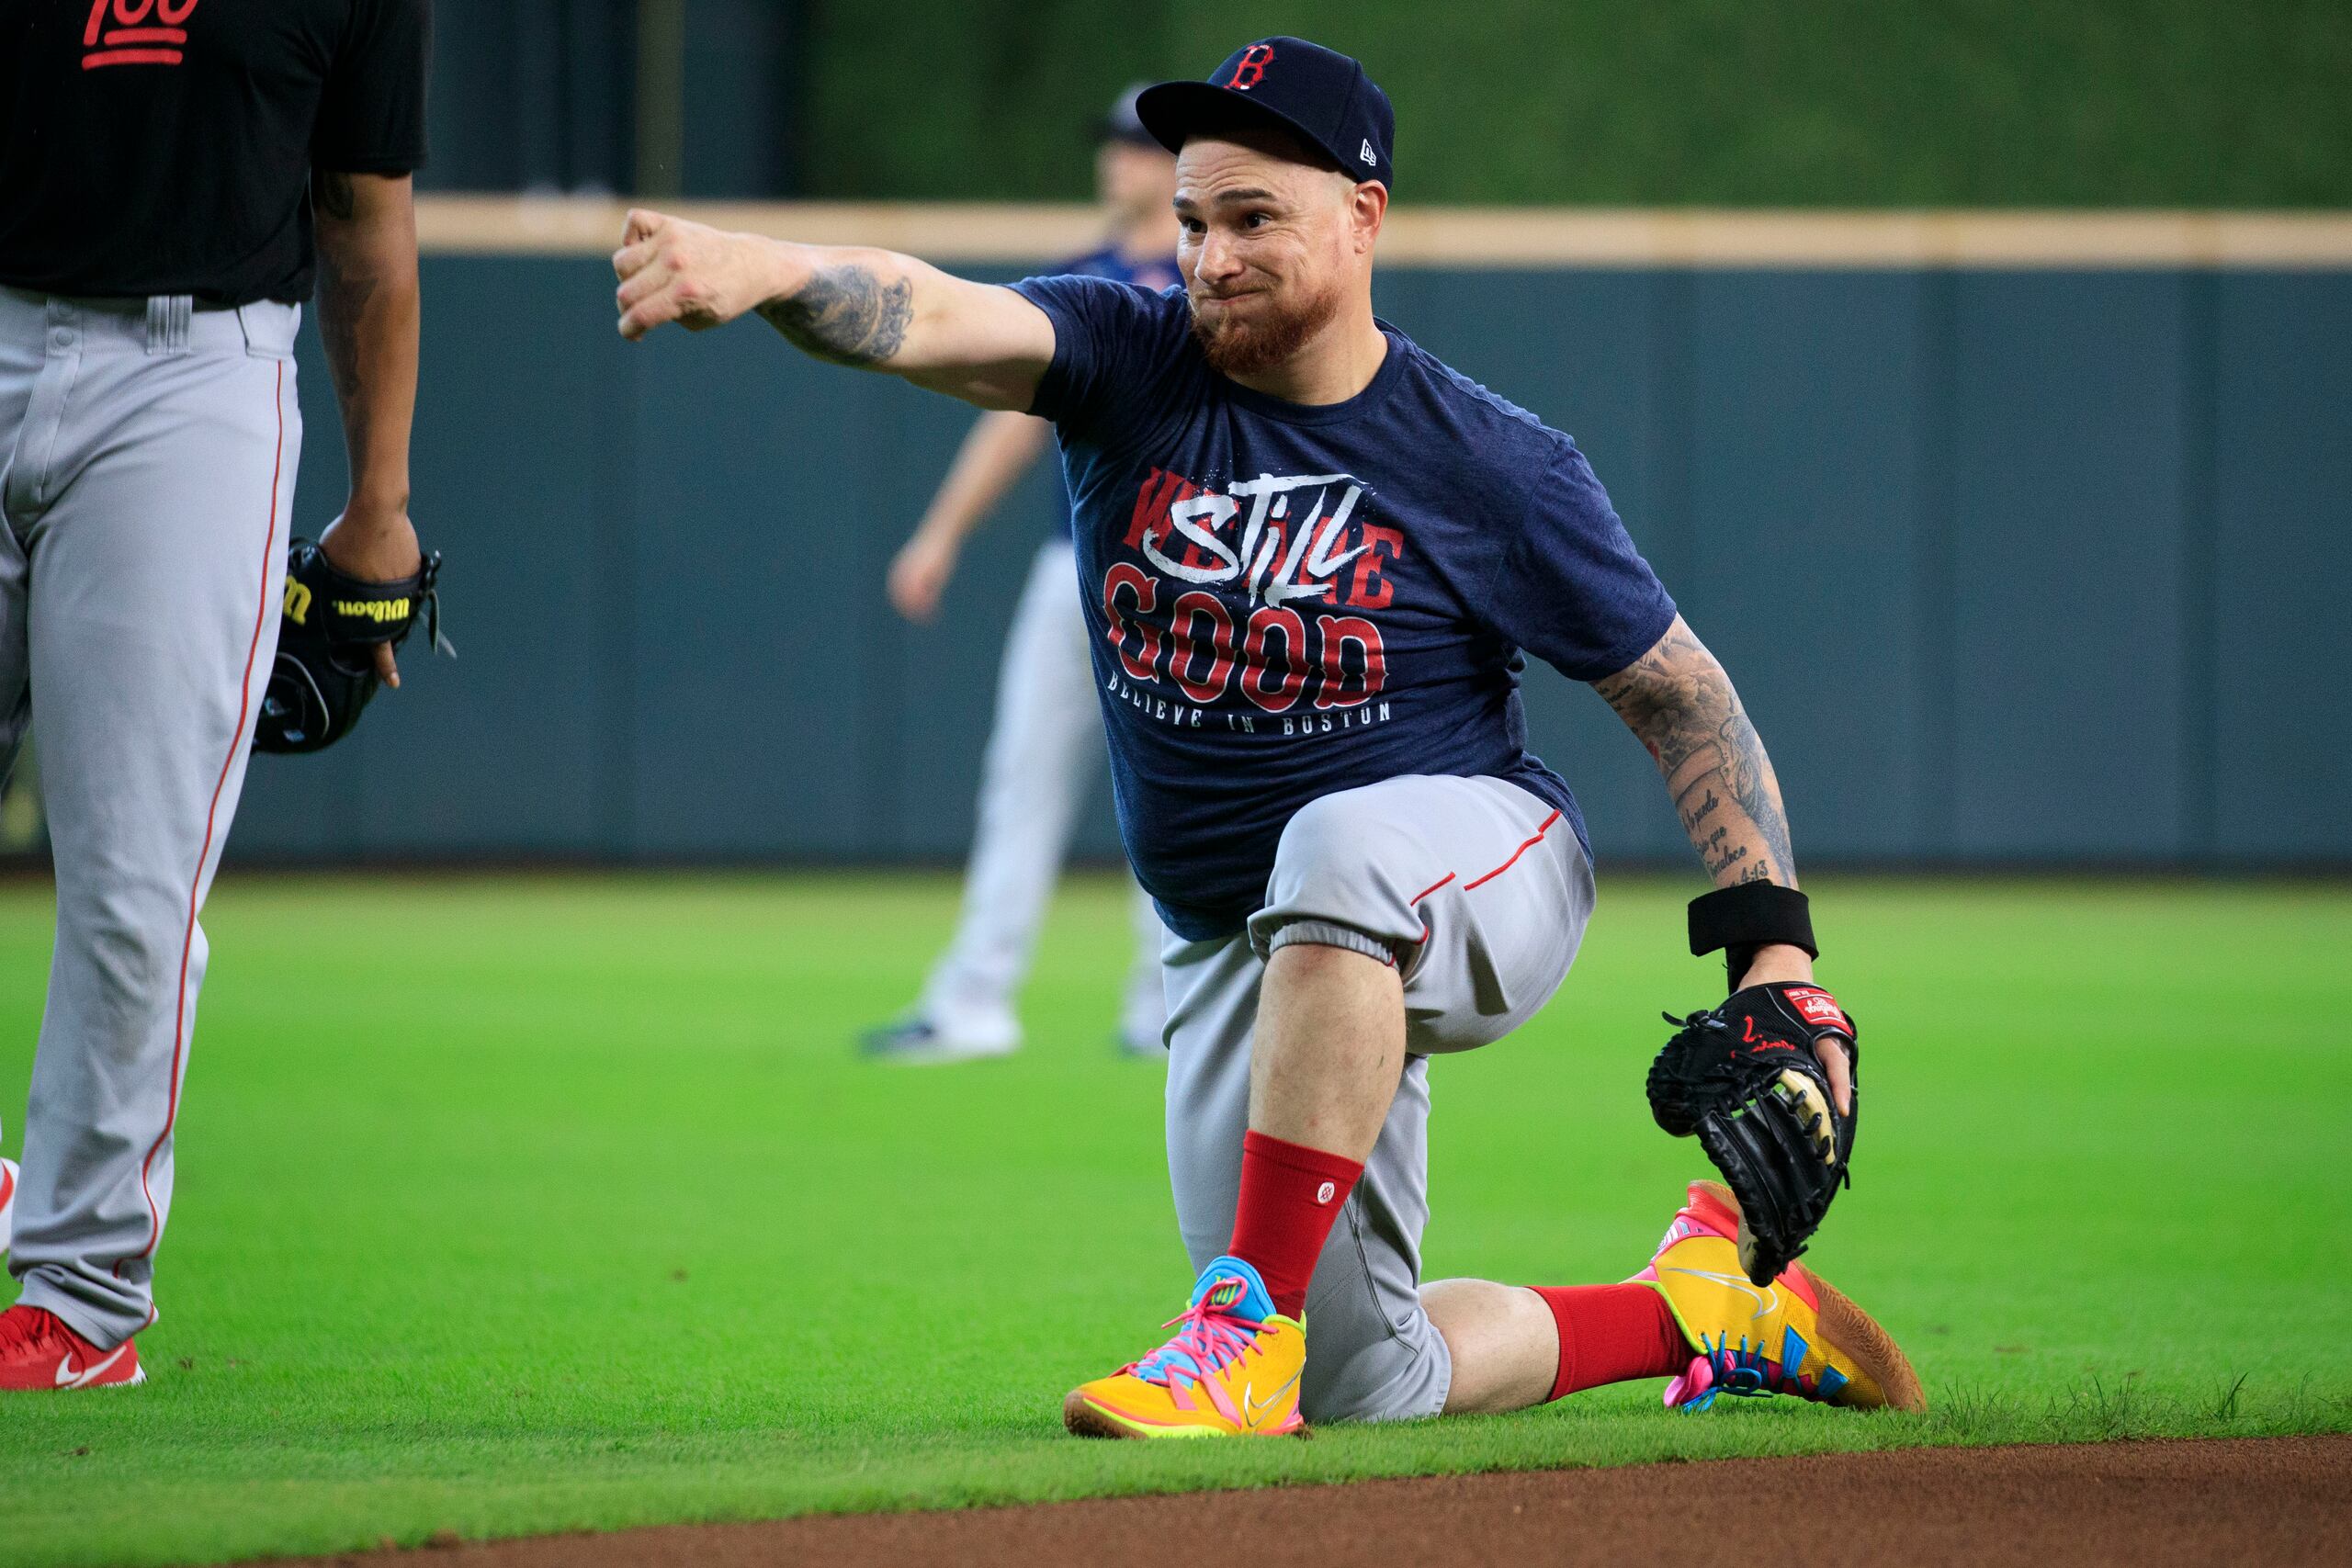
[1045, 748]
[147, 458]
[1479, 892]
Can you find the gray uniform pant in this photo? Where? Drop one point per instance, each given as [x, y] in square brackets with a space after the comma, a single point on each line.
[147, 458]
[1480, 892]
[1043, 751]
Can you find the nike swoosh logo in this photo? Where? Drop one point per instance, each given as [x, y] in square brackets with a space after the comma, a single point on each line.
[68, 1378]
[1765, 1302]
[1252, 1411]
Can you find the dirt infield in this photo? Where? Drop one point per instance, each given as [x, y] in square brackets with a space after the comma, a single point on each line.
[2144, 1505]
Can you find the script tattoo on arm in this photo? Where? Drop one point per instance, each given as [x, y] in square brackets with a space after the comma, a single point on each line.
[1677, 698]
[348, 288]
[846, 315]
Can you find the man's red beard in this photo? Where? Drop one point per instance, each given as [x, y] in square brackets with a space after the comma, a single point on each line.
[1272, 334]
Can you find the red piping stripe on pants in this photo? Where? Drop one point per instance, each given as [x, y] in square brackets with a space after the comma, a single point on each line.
[196, 884]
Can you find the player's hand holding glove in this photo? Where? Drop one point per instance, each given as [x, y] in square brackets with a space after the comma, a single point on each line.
[1744, 1078]
[333, 625]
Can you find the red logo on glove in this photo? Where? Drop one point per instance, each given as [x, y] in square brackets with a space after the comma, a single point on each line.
[1819, 1007]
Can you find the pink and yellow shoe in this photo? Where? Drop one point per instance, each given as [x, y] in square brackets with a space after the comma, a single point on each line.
[1798, 1335]
[1231, 1371]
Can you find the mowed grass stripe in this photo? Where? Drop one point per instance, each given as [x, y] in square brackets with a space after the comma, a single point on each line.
[512, 1205]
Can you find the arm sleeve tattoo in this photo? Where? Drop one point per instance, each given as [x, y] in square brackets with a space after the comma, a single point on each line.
[846, 315]
[1677, 698]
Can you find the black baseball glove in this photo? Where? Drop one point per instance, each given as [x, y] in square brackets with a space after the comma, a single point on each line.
[327, 640]
[1744, 1078]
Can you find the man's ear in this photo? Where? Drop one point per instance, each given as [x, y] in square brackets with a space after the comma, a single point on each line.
[1366, 208]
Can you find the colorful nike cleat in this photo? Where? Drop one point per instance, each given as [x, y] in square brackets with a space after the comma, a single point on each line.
[1231, 1371]
[38, 1351]
[1797, 1335]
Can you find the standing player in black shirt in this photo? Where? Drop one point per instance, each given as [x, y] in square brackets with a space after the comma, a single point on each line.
[176, 178]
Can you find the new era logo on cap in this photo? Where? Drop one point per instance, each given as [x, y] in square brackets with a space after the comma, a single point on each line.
[1370, 158]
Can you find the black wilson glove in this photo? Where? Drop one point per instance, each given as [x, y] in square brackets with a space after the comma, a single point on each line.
[326, 646]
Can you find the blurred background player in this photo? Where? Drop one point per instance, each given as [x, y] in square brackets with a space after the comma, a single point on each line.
[1047, 743]
[176, 178]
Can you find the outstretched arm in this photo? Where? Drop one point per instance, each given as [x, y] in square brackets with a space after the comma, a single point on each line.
[1677, 698]
[874, 310]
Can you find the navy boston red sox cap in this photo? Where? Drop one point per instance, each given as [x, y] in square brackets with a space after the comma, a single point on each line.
[1310, 91]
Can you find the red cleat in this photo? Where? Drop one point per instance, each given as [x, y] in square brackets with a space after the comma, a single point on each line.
[38, 1351]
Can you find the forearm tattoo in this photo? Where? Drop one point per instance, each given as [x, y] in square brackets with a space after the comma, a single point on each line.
[345, 290]
[1679, 701]
[846, 315]
[343, 301]
[331, 192]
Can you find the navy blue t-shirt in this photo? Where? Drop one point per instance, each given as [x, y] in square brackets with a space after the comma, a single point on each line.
[1286, 600]
[1107, 262]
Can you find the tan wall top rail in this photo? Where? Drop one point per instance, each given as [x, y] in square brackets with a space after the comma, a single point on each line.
[1475, 237]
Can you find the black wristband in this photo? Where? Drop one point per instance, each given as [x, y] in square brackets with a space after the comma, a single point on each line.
[1739, 920]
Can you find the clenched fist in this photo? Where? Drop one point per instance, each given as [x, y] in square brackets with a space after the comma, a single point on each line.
[674, 270]
[918, 575]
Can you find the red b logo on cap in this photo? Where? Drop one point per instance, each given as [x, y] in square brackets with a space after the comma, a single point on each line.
[1252, 69]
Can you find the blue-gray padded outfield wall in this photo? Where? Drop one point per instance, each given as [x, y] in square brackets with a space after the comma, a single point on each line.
[2065, 467]
[2280, 670]
[2032, 567]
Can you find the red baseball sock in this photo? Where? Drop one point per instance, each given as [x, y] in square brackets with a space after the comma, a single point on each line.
[1612, 1334]
[1290, 1195]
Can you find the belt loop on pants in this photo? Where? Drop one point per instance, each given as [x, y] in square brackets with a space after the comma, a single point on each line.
[167, 323]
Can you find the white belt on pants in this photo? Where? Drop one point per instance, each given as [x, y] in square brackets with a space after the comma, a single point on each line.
[162, 323]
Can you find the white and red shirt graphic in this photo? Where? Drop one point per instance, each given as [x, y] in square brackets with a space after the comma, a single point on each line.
[1267, 578]
[1288, 601]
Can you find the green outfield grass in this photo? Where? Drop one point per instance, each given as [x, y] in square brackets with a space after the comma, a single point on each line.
[510, 1206]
